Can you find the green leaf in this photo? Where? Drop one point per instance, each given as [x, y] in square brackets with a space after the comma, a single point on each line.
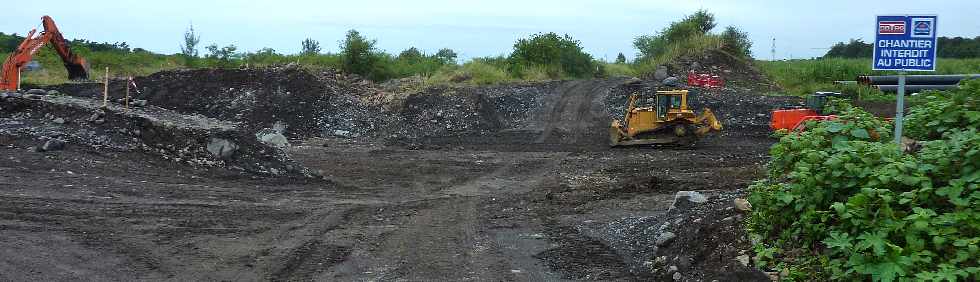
[875, 241]
[860, 133]
[886, 271]
[835, 127]
[839, 241]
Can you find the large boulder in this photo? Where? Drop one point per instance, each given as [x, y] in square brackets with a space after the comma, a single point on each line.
[272, 138]
[221, 148]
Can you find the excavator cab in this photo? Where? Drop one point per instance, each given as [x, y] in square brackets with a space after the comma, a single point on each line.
[664, 118]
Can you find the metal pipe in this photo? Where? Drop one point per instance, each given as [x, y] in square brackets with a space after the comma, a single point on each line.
[942, 79]
[913, 88]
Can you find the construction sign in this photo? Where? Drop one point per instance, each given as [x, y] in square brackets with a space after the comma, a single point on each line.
[905, 43]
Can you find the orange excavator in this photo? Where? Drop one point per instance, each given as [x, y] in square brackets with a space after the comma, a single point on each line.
[10, 75]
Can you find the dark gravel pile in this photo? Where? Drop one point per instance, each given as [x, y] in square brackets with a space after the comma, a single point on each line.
[308, 103]
[189, 139]
[447, 111]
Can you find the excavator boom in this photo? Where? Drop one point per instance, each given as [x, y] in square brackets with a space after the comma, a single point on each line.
[10, 73]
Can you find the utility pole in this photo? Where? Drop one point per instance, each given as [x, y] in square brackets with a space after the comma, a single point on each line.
[774, 48]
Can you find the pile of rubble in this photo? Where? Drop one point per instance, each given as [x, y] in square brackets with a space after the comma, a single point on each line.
[57, 121]
[307, 103]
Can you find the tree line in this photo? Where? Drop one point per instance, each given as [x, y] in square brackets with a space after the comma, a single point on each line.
[946, 47]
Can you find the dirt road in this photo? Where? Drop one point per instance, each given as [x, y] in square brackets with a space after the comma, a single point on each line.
[540, 202]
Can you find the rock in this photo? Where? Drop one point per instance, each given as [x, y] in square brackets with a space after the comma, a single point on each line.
[672, 81]
[95, 116]
[742, 205]
[272, 138]
[14, 95]
[743, 260]
[139, 103]
[695, 66]
[664, 238]
[33, 149]
[341, 133]
[37, 92]
[53, 92]
[59, 121]
[660, 73]
[672, 269]
[53, 145]
[687, 199]
[99, 121]
[677, 276]
[221, 148]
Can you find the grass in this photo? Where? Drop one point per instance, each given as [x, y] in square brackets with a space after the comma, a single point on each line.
[694, 45]
[802, 77]
[473, 72]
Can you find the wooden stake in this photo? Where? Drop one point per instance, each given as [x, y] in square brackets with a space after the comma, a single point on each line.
[128, 81]
[105, 89]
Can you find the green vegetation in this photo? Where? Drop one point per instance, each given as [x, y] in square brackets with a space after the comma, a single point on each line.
[558, 56]
[690, 36]
[843, 202]
[956, 47]
[542, 56]
[802, 77]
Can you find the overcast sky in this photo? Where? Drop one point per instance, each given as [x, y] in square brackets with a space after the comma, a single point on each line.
[473, 28]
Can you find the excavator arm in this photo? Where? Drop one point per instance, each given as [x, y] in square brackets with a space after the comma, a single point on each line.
[10, 73]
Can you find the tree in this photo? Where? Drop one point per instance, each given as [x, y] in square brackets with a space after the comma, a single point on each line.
[855, 48]
[448, 56]
[311, 47]
[704, 20]
[191, 39]
[736, 42]
[357, 54]
[411, 54]
[621, 59]
[697, 24]
[223, 56]
[556, 53]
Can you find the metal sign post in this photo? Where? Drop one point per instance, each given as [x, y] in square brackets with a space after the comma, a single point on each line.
[900, 108]
[904, 43]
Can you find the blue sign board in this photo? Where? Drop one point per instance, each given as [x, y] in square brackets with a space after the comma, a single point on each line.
[905, 43]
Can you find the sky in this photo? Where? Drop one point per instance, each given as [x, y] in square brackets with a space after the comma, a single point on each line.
[802, 29]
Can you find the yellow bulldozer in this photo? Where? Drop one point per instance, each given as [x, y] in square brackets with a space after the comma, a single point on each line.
[661, 120]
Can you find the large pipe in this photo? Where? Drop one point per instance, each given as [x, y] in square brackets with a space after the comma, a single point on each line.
[947, 79]
[913, 88]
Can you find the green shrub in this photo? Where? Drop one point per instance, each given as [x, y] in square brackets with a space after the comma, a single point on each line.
[843, 190]
[558, 55]
[359, 55]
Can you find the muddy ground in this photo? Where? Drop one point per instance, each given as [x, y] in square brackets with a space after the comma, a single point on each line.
[529, 192]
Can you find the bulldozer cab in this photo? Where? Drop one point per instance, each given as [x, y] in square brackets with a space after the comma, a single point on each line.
[670, 102]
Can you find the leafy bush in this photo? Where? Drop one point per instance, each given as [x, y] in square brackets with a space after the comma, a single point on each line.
[359, 55]
[736, 42]
[559, 55]
[843, 190]
[946, 112]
